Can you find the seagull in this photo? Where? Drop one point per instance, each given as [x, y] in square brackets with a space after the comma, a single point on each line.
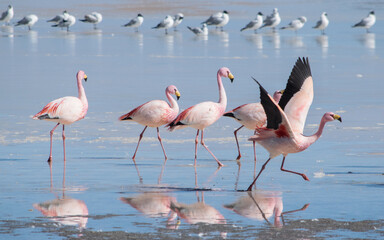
[254, 24]
[60, 17]
[135, 22]
[285, 121]
[322, 24]
[272, 20]
[6, 16]
[94, 18]
[219, 19]
[177, 19]
[367, 22]
[28, 20]
[203, 31]
[66, 22]
[166, 23]
[296, 24]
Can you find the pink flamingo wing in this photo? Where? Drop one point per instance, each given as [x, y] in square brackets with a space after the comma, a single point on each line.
[298, 95]
[50, 110]
[131, 113]
[182, 116]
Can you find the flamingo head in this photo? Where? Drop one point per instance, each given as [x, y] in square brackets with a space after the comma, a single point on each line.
[81, 75]
[277, 95]
[225, 72]
[172, 89]
[330, 116]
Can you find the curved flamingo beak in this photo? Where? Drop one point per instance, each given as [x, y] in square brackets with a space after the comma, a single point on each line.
[85, 77]
[177, 93]
[231, 77]
[337, 117]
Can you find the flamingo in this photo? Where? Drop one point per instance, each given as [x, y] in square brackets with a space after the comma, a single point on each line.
[66, 110]
[252, 116]
[204, 114]
[155, 113]
[285, 121]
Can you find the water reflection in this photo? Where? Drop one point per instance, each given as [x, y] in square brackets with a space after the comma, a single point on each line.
[169, 40]
[261, 205]
[322, 41]
[296, 41]
[274, 38]
[151, 204]
[368, 40]
[65, 211]
[256, 39]
[197, 213]
[33, 39]
[223, 36]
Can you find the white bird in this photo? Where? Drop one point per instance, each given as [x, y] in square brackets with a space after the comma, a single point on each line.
[66, 22]
[203, 31]
[219, 19]
[135, 22]
[272, 20]
[7, 15]
[93, 18]
[367, 22]
[296, 24]
[254, 24]
[177, 19]
[166, 23]
[322, 24]
[28, 20]
[59, 18]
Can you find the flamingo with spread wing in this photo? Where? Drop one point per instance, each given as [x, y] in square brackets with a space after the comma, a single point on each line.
[285, 121]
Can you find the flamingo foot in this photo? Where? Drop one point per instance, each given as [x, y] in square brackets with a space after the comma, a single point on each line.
[238, 157]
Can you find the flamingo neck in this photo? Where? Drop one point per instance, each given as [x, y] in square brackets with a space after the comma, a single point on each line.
[314, 137]
[172, 102]
[82, 95]
[222, 94]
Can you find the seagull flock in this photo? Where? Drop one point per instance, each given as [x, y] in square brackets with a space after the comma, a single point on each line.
[219, 20]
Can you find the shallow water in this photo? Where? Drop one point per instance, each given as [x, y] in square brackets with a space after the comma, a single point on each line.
[125, 69]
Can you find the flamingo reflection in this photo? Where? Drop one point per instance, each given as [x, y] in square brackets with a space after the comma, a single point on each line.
[261, 206]
[151, 204]
[65, 211]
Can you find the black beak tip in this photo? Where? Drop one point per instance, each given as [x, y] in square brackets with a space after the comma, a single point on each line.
[340, 120]
[178, 97]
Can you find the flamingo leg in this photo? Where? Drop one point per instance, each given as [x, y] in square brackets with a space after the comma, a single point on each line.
[196, 142]
[161, 143]
[50, 149]
[237, 142]
[262, 169]
[138, 143]
[301, 174]
[63, 135]
[202, 143]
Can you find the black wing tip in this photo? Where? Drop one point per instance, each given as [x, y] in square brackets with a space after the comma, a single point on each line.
[229, 114]
[271, 110]
[300, 72]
